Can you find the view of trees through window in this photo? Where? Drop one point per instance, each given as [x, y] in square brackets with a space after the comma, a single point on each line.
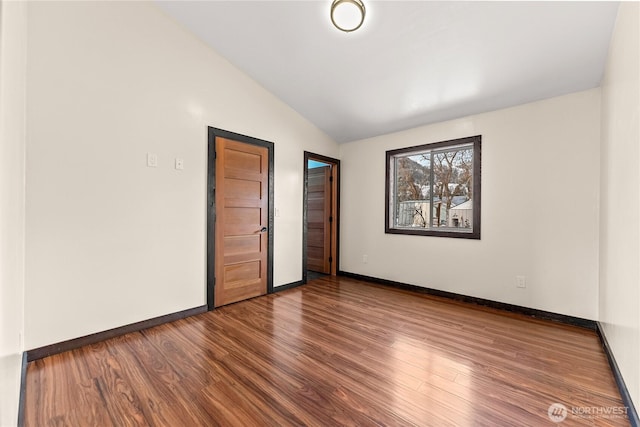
[432, 187]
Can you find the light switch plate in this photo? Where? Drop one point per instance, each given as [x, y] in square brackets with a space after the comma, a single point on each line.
[179, 163]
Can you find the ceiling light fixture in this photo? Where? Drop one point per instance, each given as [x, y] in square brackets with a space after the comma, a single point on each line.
[347, 15]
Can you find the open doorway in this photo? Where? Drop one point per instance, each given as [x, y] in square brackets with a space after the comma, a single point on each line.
[321, 201]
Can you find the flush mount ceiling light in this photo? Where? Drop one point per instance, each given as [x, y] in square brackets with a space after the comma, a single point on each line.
[347, 15]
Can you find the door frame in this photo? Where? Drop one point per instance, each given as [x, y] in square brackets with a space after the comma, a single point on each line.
[211, 205]
[335, 212]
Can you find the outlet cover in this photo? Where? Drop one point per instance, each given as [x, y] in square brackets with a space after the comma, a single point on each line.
[152, 160]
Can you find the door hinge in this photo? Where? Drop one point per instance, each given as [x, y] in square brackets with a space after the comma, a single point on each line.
[331, 178]
[330, 259]
[330, 219]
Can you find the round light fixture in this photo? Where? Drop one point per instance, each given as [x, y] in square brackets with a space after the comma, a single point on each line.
[347, 15]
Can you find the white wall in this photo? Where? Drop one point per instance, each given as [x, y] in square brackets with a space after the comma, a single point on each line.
[540, 173]
[12, 216]
[110, 241]
[620, 195]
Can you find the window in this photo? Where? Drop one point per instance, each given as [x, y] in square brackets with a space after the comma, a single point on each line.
[434, 189]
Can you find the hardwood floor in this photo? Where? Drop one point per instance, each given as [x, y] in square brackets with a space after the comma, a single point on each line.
[333, 352]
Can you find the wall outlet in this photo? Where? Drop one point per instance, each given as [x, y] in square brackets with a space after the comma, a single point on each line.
[521, 282]
[152, 160]
[365, 259]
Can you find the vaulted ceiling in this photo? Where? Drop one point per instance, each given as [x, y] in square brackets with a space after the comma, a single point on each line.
[412, 62]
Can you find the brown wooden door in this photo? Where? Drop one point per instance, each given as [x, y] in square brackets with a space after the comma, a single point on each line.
[318, 220]
[241, 227]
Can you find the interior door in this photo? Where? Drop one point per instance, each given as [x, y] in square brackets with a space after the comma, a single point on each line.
[319, 220]
[241, 221]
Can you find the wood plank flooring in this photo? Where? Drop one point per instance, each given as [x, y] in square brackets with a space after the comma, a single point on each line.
[333, 352]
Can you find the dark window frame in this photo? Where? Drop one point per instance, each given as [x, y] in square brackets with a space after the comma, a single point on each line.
[476, 142]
